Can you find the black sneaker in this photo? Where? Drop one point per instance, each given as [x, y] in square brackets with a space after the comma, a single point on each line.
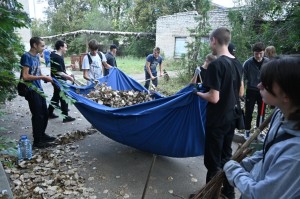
[41, 145]
[68, 119]
[47, 138]
[52, 116]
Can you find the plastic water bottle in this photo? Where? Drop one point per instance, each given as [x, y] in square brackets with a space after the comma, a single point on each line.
[24, 149]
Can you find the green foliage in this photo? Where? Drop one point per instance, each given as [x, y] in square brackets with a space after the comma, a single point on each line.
[271, 21]
[12, 17]
[198, 48]
[8, 151]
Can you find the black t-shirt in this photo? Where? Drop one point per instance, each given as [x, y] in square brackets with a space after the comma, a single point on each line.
[224, 75]
[57, 64]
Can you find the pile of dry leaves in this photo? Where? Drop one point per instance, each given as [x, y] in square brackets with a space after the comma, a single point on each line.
[52, 172]
[104, 94]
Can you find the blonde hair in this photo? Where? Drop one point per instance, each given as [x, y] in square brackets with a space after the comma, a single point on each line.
[270, 52]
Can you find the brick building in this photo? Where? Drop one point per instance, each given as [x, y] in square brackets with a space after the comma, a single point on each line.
[172, 30]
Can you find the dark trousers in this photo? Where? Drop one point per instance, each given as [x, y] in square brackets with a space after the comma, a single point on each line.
[148, 79]
[39, 112]
[253, 97]
[218, 151]
[56, 99]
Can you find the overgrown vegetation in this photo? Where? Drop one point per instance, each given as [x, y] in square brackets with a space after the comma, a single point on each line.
[12, 17]
[8, 151]
[273, 22]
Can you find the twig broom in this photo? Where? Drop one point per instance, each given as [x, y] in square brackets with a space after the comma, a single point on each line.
[212, 189]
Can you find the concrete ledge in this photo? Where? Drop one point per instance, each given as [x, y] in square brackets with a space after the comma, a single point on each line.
[4, 184]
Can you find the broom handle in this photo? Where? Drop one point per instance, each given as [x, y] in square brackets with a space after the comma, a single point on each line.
[253, 136]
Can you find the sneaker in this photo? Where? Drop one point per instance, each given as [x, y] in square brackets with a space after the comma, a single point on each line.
[68, 119]
[47, 138]
[52, 116]
[247, 134]
[41, 144]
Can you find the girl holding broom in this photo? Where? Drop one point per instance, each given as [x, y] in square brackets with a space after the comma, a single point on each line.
[274, 172]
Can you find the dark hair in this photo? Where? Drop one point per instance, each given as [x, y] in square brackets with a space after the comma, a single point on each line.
[231, 49]
[93, 45]
[285, 71]
[222, 35]
[58, 44]
[258, 47]
[35, 40]
[113, 46]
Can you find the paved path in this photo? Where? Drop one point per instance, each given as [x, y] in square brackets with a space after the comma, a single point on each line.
[115, 168]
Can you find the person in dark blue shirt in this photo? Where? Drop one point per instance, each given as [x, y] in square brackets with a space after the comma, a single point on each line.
[31, 73]
[152, 61]
[46, 55]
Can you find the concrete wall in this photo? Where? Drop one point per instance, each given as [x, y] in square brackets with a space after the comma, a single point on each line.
[171, 26]
[25, 33]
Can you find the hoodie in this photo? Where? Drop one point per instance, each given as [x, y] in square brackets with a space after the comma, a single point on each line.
[275, 174]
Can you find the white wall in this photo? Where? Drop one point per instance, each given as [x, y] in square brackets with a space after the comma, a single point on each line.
[25, 33]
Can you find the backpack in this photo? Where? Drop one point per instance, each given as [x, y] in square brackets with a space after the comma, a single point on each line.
[90, 58]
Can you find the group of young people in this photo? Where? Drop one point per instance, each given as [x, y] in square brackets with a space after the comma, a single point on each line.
[93, 68]
[272, 172]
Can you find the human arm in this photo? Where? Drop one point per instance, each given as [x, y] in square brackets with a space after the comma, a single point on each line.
[28, 77]
[86, 68]
[196, 73]
[149, 70]
[242, 89]
[86, 74]
[65, 76]
[211, 96]
[280, 180]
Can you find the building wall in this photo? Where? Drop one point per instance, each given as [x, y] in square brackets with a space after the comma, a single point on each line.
[25, 33]
[171, 26]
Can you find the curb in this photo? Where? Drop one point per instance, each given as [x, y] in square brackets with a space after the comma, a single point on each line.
[5, 190]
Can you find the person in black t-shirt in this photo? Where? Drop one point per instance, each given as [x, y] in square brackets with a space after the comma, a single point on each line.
[223, 80]
[111, 58]
[58, 70]
[252, 68]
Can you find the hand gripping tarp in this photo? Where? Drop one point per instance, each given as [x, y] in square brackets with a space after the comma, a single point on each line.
[170, 126]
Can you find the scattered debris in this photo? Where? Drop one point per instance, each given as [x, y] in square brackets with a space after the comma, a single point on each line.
[51, 173]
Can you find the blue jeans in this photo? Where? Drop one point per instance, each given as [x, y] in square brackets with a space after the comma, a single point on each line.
[148, 79]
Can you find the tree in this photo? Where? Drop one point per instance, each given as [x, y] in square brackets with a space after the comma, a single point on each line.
[12, 16]
[198, 49]
[271, 21]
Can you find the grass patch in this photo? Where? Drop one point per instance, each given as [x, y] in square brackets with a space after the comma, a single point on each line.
[172, 86]
[134, 65]
[131, 65]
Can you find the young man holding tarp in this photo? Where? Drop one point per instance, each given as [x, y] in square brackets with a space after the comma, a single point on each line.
[223, 80]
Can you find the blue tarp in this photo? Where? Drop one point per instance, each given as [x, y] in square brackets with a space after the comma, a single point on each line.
[170, 126]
